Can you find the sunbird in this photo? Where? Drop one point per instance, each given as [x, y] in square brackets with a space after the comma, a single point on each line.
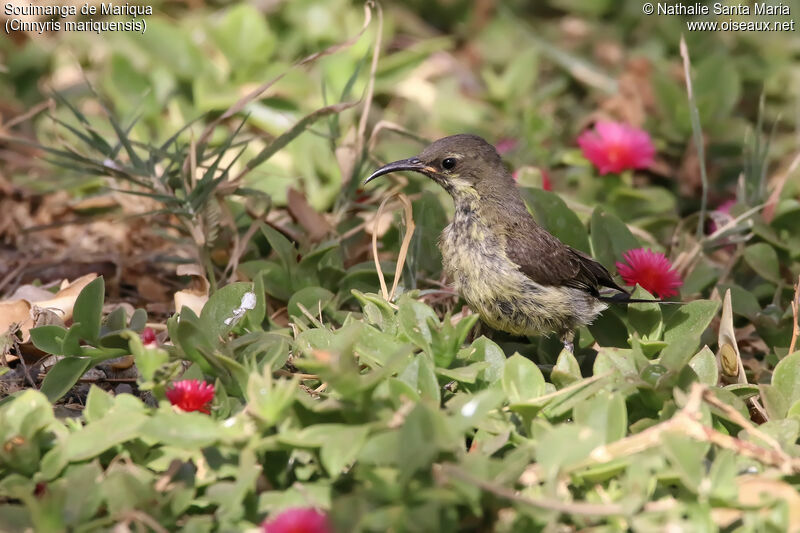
[516, 275]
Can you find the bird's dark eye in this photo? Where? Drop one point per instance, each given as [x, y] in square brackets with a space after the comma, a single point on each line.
[448, 163]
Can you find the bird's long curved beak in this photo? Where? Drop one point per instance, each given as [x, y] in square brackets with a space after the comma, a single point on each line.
[412, 163]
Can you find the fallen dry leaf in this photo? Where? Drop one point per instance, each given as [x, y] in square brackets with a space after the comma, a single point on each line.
[15, 312]
[64, 300]
[729, 360]
[25, 312]
[305, 215]
[373, 224]
[196, 296]
[151, 290]
[758, 490]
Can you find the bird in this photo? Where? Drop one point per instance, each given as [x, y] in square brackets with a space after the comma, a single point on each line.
[516, 275]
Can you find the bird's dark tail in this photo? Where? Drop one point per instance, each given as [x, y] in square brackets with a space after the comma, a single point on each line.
[625, 298]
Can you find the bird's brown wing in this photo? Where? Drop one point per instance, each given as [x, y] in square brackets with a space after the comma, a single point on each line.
[548, 261]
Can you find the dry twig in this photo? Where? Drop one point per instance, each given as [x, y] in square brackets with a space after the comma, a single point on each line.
[443, 471]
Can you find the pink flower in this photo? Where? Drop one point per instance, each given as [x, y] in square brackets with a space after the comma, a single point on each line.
[614, 147]
[546, 184]
[652, 270]
[298, 520]
[191, 395]
[721, 215]
[505, 145]
[148, 337]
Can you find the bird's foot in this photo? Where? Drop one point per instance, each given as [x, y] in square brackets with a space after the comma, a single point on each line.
[567, 338]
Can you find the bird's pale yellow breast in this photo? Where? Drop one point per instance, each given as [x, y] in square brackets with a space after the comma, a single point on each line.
[474, 257]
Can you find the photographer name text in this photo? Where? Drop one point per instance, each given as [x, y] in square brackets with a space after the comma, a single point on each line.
[720, 8]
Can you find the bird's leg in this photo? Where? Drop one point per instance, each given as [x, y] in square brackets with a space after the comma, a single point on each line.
[567, 338]
[479, 329]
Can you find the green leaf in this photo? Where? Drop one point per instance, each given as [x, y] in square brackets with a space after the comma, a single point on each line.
[285, 250]
[25, 415]
[118, 426]
[565, 445]
[641, 201]
[616, 360]
[762, 258]
[775, 402]
[475, 408]
[310, 266]
[794, 410]
[743, 302]
[375, 347]
[424, 433]
[645, 319]
[690, 320]
[269, 398]
[98, 403]
[683, 330]
[552, 213]
[687, 456]
[191, 431]
[226, 308]
[413, 317]
[63, 376]
[722, 475]
[377, 311]
[71, 344]
[420, 375]
[88, 310]
[116, 320]
[522, 379]
[464, 374]
[784, 432]
[191, 336]
[704, 364]
[678, 352]
[255, 317]
[49, 339]
[727, 397]
[138, 320]
[277, 280]
[609, 330]
[610, 238]
[341, 447]
[566, 370]
[400, 392]
[242, 30]
[606, 414]
[786, 378]
[484, 350]
[717, 87]
[313, 299]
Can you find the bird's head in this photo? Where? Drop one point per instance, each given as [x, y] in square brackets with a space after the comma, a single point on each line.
[462, 164]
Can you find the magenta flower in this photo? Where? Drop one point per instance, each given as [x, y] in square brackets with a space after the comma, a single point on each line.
[191, 395]
[298, 520]
[148, 337]
[652, 270]
[546, 184]
[721, 215]
[504, 146]
[615, 146]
